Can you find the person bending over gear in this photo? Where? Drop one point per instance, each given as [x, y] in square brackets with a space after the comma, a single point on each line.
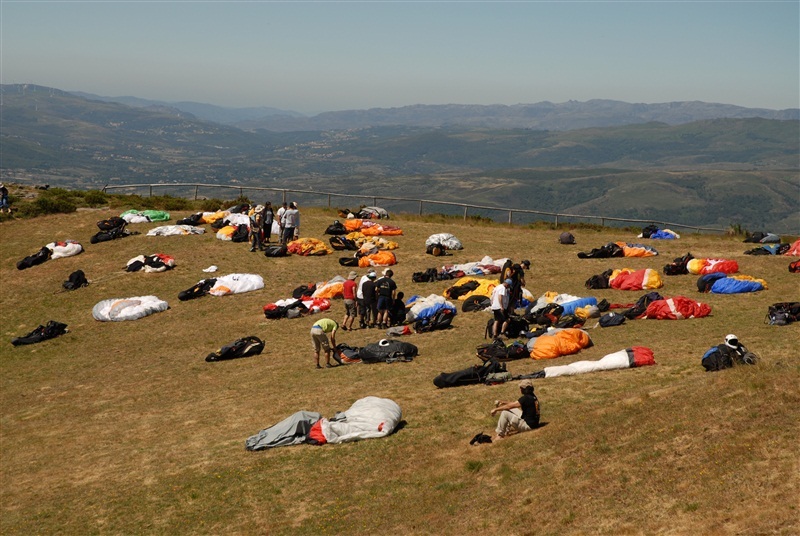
[521, 415]
[319, 338]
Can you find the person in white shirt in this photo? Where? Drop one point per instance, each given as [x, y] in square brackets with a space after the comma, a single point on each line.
[279, 216]
[499, 306]
[362, 306]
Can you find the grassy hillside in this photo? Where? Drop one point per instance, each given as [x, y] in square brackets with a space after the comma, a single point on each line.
[122, 428]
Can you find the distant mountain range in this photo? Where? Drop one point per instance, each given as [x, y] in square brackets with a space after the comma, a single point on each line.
[540, 116]
[711, 172]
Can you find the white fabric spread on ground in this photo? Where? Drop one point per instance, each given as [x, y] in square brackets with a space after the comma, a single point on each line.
[119, 309]
[367, 418]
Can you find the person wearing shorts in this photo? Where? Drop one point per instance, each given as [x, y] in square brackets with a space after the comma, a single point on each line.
[349, 295]
[499, 307]
[386, 291]
[319, 339]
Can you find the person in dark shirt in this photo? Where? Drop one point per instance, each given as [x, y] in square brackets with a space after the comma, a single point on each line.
[397, 314]
[521, 415]
[386, 289]
[370, 292]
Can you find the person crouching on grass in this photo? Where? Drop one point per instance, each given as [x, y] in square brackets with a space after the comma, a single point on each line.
[521, 415]
[319, 338]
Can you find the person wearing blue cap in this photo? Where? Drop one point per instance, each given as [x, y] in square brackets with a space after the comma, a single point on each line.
[499, 306]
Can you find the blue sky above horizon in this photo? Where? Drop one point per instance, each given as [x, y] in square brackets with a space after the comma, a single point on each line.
[320, 56]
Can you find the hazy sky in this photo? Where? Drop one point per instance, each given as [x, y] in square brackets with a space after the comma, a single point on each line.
[319, 56]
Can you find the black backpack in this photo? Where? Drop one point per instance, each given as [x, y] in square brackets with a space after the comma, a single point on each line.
[244, 347]
[459, 290]
[37, 258]
[277, 250]
[388, 351]
[476, 302]
[599, 281]
[547, 315]
[336, 228]
[428, 276]
[722, 356]
[498, 351]
[472, 375]
[678, 266]
[641, 305]
[611, 319]
[648, 231]
[705, 282]
[193, 219]
[111, 223]
[442, 319]
[515, 326]
[340, 243]
[41, 333]
[437, 250]
[782, 313]
[76, 280]
[197, 291]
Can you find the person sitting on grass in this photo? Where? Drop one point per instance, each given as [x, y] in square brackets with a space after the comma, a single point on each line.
[319, 338]
[521, 415]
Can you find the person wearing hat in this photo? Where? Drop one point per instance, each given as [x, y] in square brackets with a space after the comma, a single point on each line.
[499, 307]
[256, 227]
[386, 288]
[319, 339]
[521, 415]
[349, 295]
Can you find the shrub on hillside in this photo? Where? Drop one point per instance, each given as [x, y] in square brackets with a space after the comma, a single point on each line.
[168, 202]
[53, 201]
[210, 205]
[95, 198]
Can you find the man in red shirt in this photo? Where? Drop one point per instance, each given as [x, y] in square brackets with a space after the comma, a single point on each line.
[349, 295]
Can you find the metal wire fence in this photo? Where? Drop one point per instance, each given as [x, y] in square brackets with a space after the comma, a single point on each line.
[392, 204]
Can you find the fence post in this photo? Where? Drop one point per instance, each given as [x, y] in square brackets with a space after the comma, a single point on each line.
[151, 190]
[195, 191]
[284, 196]
[556, 221]
[374, 201]
[465, 213]
[420, 207]
[241, 192]
[602, 222]
[510, 217]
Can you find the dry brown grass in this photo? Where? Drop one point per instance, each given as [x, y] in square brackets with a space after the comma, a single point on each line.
[122, 428]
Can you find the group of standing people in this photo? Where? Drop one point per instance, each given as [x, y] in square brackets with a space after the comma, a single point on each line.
[374, 300]
[507, 295]
[379, 303]
[262, 218]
